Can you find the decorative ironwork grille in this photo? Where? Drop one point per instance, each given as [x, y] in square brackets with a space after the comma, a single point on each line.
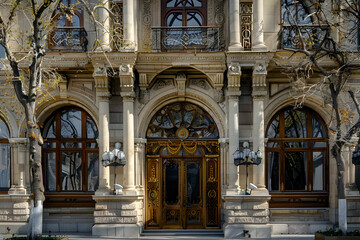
[246, 12]
[74, 39]
[117, 31]
[182, 38]
[182, 121]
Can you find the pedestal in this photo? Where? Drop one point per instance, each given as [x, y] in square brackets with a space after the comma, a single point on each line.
[118, 215]
[246, 214]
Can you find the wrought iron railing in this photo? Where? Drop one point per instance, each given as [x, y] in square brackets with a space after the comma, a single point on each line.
[311, 36]
[68, 38]
[185, 38]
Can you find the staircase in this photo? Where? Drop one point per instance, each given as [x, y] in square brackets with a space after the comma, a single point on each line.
[196, 233]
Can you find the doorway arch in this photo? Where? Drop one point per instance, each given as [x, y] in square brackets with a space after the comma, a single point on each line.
[182, 169]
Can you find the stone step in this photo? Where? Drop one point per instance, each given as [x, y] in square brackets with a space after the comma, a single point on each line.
[183, 232]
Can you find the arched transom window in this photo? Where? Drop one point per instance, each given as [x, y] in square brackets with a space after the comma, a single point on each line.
[182, 121]
[181, 13]
[70, 151]
[4, 156]
[297, 156]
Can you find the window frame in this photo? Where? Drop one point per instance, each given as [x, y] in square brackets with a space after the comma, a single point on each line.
[59, 197]
[308, 197]
[4, 190]
[166, 11]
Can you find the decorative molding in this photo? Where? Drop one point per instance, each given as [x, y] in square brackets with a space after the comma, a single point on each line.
[163, 83]
[249, 58]
[63, 84]
[220, 22]
[246, 12]
[143, 83]
[128, 96]
[201, 83]
[180, 83]
[234, 74]
[144, 96]
[146, 27]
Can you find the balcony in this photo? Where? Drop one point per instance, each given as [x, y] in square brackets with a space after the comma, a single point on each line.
[178, 39]
[68, 39]
[312, 36]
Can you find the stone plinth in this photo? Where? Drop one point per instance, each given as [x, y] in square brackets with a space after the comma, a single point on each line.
[118, 215]
[248, 213]
[353, 210]
[14, 213]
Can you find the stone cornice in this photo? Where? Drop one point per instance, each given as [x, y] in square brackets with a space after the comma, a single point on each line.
[182, 58]
[66, 60]
[116, 59]
[249, 58]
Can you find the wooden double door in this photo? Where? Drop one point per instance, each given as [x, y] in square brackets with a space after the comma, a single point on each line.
[182, 192]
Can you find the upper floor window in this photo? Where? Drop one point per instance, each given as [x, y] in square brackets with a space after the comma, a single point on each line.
[4, 156]
[184, 26]
[69, 33]
[181, 13]
[70, 152]
[298, 30]
[297, 157]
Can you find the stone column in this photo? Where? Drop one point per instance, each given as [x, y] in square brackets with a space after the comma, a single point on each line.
[128, 133]
[19, 150]
[140, 163]
[234, 10]
[128, 95]
[258, 32]
[233, 93]
[258, 135]
[128, 20]
[224, 153]
[103, 95]
[103, 33]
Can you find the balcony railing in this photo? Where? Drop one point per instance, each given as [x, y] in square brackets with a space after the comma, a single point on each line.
[311, 36]
[185, 38]
[68, 38]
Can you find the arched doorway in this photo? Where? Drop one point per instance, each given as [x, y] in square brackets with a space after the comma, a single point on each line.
[182, 169]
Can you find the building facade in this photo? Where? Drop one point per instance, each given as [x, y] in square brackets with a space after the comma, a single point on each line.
[182, 85]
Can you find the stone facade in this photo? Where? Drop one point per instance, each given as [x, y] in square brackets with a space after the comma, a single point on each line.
[122, 88]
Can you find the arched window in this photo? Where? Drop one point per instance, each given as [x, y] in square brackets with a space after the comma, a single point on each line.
[298, 27]
[4, 156]
[70, 152]
[69, 33]
[297, 159]
[184, 25]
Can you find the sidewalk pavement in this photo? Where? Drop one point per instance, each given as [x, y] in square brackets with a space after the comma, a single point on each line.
[73, 236]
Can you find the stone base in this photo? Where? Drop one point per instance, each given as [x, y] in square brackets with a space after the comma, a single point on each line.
[16, 228]
[118, 230]
[236, 231]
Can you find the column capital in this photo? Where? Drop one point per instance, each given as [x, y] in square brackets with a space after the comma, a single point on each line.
[233, 94]
[234, 75]
[128, 96]
[259, 80]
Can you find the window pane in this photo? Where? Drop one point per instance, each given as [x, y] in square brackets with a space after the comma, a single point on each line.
[182, 3]
[50, 128]
[91, 130]
[4, 165]
[319, 144]
[71, 171]
[50, 161]
[174, 20]
[171, 182]
[194, 20]
[295, 144]
[75, 21]
[71, 124]
[318, 130]
[71, 145]
[92, 145]
[49, 145]
[93, 171]
[4, 131]
[295, 124]
[272, 145]
[318, 171]
[193, 182]
[273, 131]
[295, 171]
[273, 161]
